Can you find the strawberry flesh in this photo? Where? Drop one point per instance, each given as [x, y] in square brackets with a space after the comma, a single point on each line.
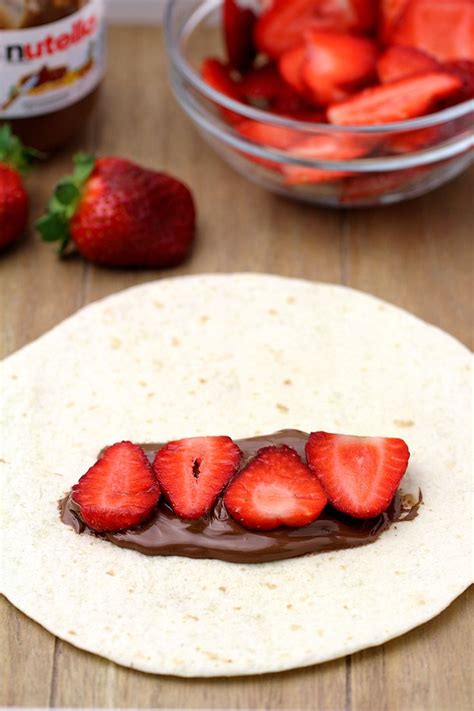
[275, 489]
[360, 475]
[192, 472]
[401, 62]
[291, 64]
[336, 64]
[218, 76]
[120, 491]
[324, 147]
[238, 34]
[283, 24]
[443, 28]
[397, 101]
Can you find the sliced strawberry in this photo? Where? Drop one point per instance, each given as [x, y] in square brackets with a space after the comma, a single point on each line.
[360, 475]
[390, 12]
[270, 135]
[283, 24]
[261, 86]
[275, 489]
[119, 491]
[464, 70]
[267, 134]
[265, 88]
[193, 472]
[411, 141]
[218, 76]
[291, 64]
[238, 34]
[443, 28]
[397, 101]
[374, 185]
[336, 64]
[324, 147]
[401, 62]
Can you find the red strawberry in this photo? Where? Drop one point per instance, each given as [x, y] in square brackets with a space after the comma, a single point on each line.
[443, 28]
[464, 69]
[397, 101]
[411, 141]
[119, 491]
[218, 76]
[13, 205]
[401, 62]
[14, 160]
[324, 147]
[281, 27]
[267, 134]
[390, 12]
[120, 214]
[265, 88]
[372, 185]
[360, 475]
[275, 489]
[262, 86]
[291, 64]
[193, 472]
[337, 63]
[238, 34]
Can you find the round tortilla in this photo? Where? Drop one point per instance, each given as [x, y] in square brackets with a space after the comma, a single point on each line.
[237, 355]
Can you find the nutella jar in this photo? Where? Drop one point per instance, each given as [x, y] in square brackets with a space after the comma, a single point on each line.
[52, 59]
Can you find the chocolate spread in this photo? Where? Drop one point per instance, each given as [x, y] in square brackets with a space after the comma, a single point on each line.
[56, 70]
[217, 535]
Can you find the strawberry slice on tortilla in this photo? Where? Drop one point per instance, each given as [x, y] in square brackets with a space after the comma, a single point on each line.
[192, 472]
[120, 491]
[360, 475]
[275, 489]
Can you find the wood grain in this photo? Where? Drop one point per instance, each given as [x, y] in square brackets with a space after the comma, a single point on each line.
[418, 255]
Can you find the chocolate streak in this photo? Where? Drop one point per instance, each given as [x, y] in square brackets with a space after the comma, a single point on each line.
[217, 535]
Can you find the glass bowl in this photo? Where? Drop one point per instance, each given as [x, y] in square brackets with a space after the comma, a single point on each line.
[393, 161]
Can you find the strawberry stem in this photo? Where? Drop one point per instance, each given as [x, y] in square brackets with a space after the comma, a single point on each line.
[14, 153]
[54, 224]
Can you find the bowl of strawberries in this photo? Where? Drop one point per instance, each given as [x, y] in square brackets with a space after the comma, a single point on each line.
[333, 102]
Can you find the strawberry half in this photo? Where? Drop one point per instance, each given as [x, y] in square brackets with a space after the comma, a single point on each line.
[238, 34]
[275, 489]
[336, 64]
[443, 28]
[121, 215]
[325, 147]
[283, 24]
[398, 101]
[192, 472]
[401, 62]
[360, 475]
[218, 76]
[119, 491]
[390, 12]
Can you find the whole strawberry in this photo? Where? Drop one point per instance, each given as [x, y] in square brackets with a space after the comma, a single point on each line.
[119, 214]
[14, 159]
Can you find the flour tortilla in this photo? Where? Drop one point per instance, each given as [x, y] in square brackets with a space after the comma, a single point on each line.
[239, 355]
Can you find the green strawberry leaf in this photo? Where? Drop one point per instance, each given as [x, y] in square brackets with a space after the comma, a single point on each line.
[66, 193]
[54, 225]
[13, 152]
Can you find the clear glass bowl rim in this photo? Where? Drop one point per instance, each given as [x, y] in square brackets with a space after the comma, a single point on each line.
[186, 70]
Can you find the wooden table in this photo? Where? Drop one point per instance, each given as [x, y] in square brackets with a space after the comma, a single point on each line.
[417, 255]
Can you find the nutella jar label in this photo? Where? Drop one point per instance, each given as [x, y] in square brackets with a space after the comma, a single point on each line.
[47, 68]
